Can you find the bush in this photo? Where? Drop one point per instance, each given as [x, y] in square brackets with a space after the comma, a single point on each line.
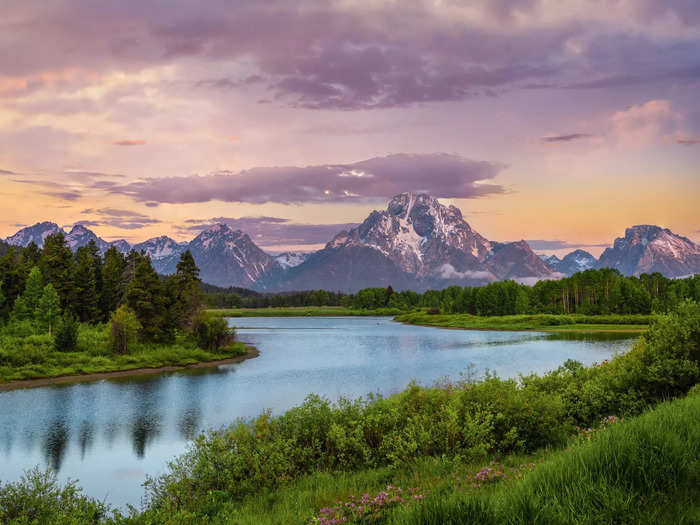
[38, 498]
[211, 332]
[66, 338]
[124, 329]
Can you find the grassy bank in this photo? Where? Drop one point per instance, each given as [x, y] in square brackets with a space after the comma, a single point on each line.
[643, 470]
[34, 356]
[539, 322]
[311, 311]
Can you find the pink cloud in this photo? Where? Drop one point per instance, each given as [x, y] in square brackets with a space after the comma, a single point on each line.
[129, 142]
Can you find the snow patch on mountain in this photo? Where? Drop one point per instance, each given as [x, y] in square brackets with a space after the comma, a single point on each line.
[291, 259]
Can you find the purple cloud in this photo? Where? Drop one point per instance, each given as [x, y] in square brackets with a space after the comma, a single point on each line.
[64, 195]
[346, 56]
[7, 172]
[565, 138]
[379, 178]
[271, 231]
[117, 218]
[686, 141]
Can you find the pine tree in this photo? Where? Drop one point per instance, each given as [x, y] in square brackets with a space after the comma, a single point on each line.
[33, 289]
[56, 265]
[20, 312]
[49, 310]
[146, 298]
[113, 287]
[85, 301]
[186, 291]
[31, 255]
[2, 297]
[66, 339]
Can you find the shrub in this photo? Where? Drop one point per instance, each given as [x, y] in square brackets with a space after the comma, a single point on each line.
[124, 329]
[66, 338]
[211, 332]
[38, 498]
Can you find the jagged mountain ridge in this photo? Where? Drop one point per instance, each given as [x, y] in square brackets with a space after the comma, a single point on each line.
[416, 243]
[227, 257]
[646, 249]
[576, 261]
[77, 237]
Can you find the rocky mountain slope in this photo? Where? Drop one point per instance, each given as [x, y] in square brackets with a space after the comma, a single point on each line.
[227, 257]
[163, 251]
[415, 243]
[647, 249]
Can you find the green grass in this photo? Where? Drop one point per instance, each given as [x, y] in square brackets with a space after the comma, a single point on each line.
[311, 311]
[33, 356]
[643, 470]
[539, 322]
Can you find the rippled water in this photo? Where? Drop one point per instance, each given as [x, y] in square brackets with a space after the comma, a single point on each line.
[110, 434]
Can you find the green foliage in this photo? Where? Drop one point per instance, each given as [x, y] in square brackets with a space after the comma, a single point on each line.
[643, 470]
[85, 302]
[48, 310]
[56, 265]
[464, 420]
[211, 332]
[20, 311]
[113, 286]
[38, 498]
[186, 291]
[124, 329]
[66, 338]
[146, 297]
[33, 290]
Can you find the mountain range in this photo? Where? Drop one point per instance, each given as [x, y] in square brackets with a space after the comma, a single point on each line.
[416, 243]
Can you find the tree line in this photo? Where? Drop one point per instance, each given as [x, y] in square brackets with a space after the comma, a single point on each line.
[604, 291]
[52, 289]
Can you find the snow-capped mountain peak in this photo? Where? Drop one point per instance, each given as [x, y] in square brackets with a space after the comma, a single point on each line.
[647, 248]
[81, 236]
[34, 234]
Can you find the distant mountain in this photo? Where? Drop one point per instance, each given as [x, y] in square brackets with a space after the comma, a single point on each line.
[163, 251]
[576, 261]
[34, 234]
[228, 257]
[291, 259]
[78, 236]
[516, 260]
[81, 236]
[415, 243]
[550, 260]
[121, 245]
[647, 249]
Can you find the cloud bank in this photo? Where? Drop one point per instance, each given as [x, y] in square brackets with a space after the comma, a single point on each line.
[379, 178]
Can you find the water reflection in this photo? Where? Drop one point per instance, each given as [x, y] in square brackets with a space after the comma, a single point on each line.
[56, 442]
[110, 434]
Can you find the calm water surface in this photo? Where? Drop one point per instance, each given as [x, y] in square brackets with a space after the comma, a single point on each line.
[110, 434]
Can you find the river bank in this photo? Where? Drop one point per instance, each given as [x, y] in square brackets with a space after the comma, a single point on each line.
[133, 369]
[541, 322]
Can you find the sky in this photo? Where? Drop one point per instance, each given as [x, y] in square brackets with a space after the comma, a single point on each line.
[557, 121]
